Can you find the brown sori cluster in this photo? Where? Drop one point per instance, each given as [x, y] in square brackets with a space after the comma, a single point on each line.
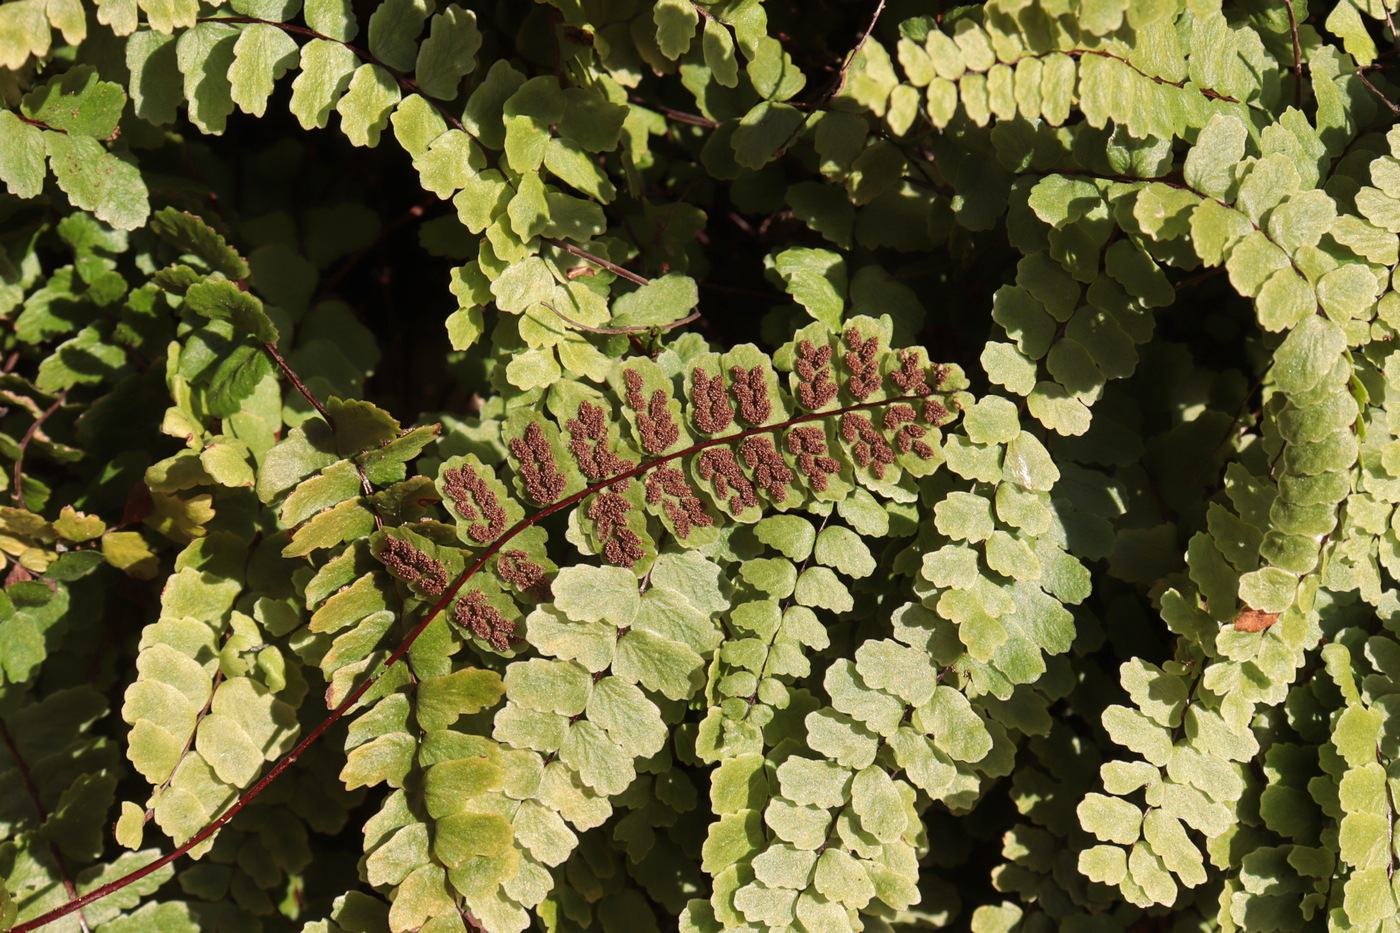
[724, 473]
[464, 487]
[621, 546]
[713, 412]
[933, 411]
[862, 362]
[516, 568]
[899, 419]
[808, 444]
[868, 445]
[589, 444]
[751, 389]
[538, 471]
[413, 566]
[911, 378]
[814, 388]
[473, 613]
[685, 511]
[654, 422]
[770, 471]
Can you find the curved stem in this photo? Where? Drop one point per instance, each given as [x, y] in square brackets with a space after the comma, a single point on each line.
[599, 261]
[287, 760]
[24, 443]
[43, 815]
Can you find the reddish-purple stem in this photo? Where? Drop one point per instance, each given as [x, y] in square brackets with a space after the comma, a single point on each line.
[287, 760]
[43, 815]
[599, 261]
[24, 442]
[297, 384]
[306, 393]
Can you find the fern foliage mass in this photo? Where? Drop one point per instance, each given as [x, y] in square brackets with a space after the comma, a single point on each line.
[716, 465]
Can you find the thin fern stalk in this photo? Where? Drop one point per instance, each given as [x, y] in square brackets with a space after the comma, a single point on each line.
[345, 705]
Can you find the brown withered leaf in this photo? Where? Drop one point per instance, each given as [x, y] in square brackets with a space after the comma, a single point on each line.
[1254, 620]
